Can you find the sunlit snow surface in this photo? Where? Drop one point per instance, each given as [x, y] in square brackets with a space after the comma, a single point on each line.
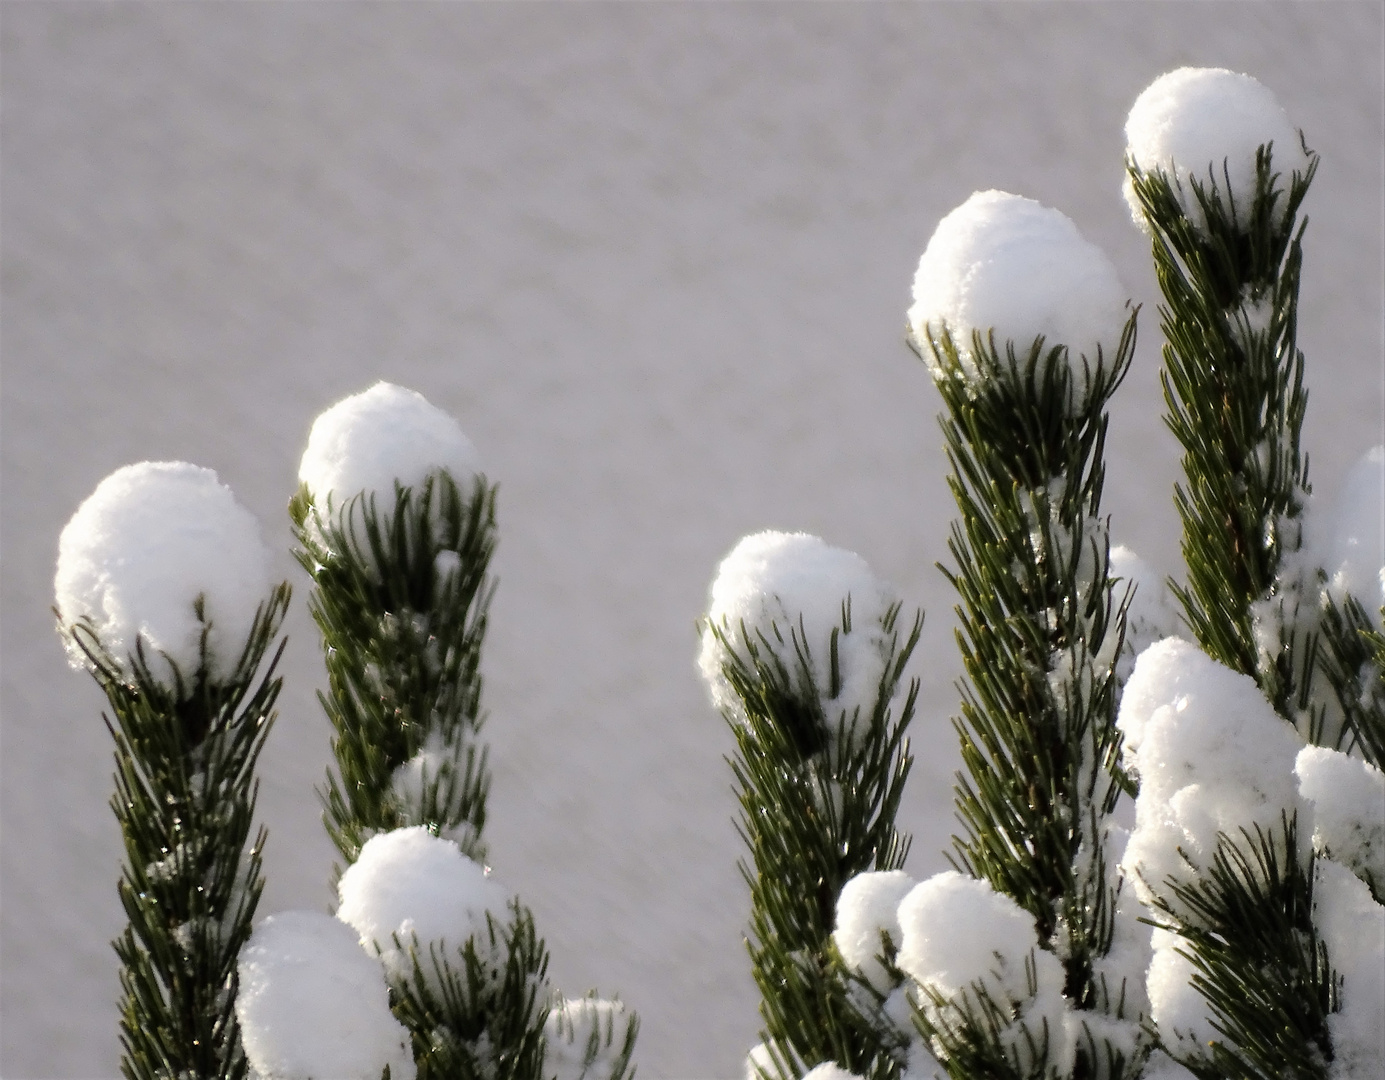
[655, 260]
[151, 542]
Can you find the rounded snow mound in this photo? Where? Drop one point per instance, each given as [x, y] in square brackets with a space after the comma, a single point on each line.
[1004, 263]
[1206, 124]
[370, 441]
[312, 1004]
[408, 883]
[774, 585]
[138, 553]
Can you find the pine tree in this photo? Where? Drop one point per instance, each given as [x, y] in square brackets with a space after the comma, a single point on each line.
[1227, 251]
[819, 774]
[189, 724]
[1042, 625]
[400, 596]
[400, 570]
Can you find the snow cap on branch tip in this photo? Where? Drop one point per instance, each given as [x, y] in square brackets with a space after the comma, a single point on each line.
[137, 554]
[367, 442]
[959, 935]
[1213, 758]
[869, 906]
[1205, 125]
[1003, 263]
[312, 1004]
[410, 883]
[568, 1035]
[786, 581]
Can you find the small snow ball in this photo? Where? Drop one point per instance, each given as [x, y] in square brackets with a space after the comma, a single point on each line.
[1003, 263]
[312, 1004]
[868, 907]
[1205, 125]
[572, 1026]
[142, 548]
[775, 581]
[408, 882]
[367, 442]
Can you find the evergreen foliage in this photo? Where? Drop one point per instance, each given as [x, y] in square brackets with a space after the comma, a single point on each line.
[185, 799]
[1351, 660]
[1233, 383]
[401, 597]
[607, 1039]
[1234, 387]
[1041, 628]
[818, 793]
[478, 1013]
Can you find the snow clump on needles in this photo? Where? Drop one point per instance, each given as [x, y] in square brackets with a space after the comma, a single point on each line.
[1009, 265]
[774, 587]
[409, 884]
[1205, 125]
[313, 1004]
[386, 435]
[137, 555]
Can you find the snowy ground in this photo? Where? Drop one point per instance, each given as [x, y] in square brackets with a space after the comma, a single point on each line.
[656, 259]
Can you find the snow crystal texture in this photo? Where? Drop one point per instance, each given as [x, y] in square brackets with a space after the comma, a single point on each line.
[313, 1005]
[367, 442]
[143, 547]
[1205, 125]
[1005, 263]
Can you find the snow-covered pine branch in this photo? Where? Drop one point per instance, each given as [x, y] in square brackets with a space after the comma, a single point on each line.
[1254, 848]
[1025, 329]
[164, 594]
[1216, 175]
[804, 655]
[396, 526]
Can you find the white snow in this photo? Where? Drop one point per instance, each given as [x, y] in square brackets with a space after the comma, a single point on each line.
[1212, 757]
[370, 440]
[829, 1070]
[1348, 799]
[312, 1005]
[1178, 1008]
[1009, 264]
[1353, 534]
[960, 935]
[1205, 124]
[869, 906]
[569, 1031]
[143, 547]
[1153, 613]
[1352, 926]
[773, 583]
[409, 883]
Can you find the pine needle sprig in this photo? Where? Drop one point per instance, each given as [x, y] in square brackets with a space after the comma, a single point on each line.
[1255, 900]
[1040, 627]
[185, 799]
[401, 598]
[1233, 383]
[1351, 659]
[477, 1011]
[819, 794]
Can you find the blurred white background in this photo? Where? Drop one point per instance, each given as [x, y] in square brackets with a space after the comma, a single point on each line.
[656, 259]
